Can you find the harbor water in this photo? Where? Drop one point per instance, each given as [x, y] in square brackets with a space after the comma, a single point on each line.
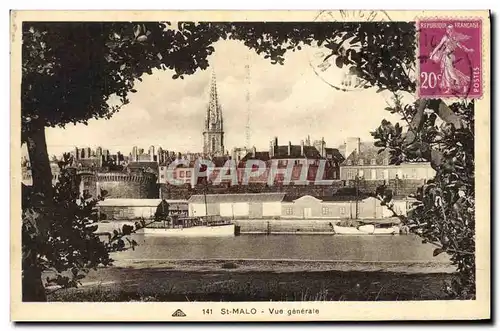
[398, 248]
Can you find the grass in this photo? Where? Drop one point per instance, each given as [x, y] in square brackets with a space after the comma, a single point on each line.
[230, 284]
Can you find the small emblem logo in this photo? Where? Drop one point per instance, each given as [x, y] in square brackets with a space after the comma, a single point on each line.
[178, 313]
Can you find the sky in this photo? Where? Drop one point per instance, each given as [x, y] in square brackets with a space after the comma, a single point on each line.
[288, 101]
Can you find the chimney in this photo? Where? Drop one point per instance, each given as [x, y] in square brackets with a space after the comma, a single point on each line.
[302, 148]
[289, 148]
[254, 150]
[323, 147]
[271, 148]
[352, 144]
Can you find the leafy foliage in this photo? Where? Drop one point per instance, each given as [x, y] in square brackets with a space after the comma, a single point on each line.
[73, 246]
[443, 211]
[381, 53]
[162, 211]
[71, 70]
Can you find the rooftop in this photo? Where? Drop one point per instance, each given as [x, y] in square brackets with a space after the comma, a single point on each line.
[282, 152]
[368, 155]
[243, 197]
[136, 202]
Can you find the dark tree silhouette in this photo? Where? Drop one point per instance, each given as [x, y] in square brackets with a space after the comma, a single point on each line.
[162, 211]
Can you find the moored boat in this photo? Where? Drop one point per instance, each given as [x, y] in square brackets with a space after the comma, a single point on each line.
[365, 230]
[175, 226]
[375, 228]
[227, 230]
[191, 227]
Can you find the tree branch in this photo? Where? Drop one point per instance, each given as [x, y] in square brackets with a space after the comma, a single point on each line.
[437, 244]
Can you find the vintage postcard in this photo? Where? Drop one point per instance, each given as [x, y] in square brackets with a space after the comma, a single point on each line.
[250, 166]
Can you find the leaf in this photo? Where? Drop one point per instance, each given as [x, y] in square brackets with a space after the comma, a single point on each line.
[438, 251]
[127, 229]
[137, 31]
[355, 40]
[93, 228]
[339, 61]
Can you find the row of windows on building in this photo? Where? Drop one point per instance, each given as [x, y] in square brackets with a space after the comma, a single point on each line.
[361, 162]
[324, 210]
[373, 174]
[182, 174]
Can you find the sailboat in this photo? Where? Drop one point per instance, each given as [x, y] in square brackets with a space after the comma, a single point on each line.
[365, 227]
[372, 228]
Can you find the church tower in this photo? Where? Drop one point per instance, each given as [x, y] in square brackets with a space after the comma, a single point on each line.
[213, 135]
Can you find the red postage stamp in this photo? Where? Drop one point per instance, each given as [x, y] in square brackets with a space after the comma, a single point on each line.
[450, 58]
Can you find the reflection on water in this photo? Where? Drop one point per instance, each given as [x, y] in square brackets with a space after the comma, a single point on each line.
[309, 247]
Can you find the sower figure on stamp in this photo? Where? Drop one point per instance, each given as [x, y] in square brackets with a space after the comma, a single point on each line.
[451, 78]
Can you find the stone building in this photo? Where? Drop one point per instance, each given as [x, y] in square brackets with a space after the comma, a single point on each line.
[364, 161]
[136, 185]
[295, 156]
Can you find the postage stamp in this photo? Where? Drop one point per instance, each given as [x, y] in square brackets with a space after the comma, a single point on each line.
[250, 166]
[450, 57]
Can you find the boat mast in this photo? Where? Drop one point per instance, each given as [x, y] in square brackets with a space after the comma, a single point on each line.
[356, 183]
[163, 214]
[205, 198]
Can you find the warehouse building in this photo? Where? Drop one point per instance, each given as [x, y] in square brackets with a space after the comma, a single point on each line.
[280, 206]
[340, 207]
[237, 206]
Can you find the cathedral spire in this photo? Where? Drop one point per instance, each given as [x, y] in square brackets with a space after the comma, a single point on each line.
[213, 137]
[214, 111]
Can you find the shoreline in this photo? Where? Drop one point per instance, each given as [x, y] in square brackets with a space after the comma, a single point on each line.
[260, 280]
[288, 265]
